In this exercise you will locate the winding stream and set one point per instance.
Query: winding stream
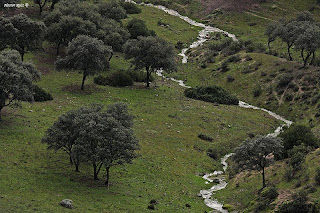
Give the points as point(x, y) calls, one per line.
point(216, 176)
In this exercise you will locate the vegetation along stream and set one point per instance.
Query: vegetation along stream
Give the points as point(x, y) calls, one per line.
point(216, 176)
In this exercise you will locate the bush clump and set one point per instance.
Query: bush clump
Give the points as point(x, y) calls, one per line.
point(284, 81)
point(213, 94)
point(130, 8)
point(205, 137)
point(212, 153)
point(269, 193)
point(120, 79)
point(40, 95)
point(299, 204)
point(297, 135)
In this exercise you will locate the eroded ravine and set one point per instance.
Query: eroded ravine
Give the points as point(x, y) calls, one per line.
point(216, 176)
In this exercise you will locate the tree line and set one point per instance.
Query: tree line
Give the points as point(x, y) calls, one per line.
point(301, 33)
point(90, 33)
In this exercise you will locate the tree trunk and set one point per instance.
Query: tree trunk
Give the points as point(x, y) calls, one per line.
point(148, 76)
point(70, 158)
point(313, 57)
point(58, 48)
point(269, 42)
point(83, 80)
point(40, 10)
point(108, 176)
point(263, 178)
point(289, 53)
point(77, 163)
point(95, 173)
point(306, 60)
point(110, 56)
point(2, 104)
point(52, 6)
point(302, 55)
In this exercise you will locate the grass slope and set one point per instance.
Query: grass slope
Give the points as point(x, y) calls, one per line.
point(33, 179)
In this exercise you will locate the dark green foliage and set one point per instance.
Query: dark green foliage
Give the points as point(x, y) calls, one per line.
point(298, 134)
point(72, 18)
point(284, 80)
point(151, 53)
point(269, 193)
point(212, 153)
point(25, 35)
point(120, 79)
point(296, 160)
point(179, 45)
point(234, 58)
point(137, 27)
point(40, 95)
point(299, 204)
point(253, 153)
point(230, 78)
point(224, 66)
point(226, 46)
point(16, 79)
point(205, 137)
point(7, 33)
point(101, 80)
point(317, 176)
point(94, 136)
point(257, 91)
point(212, 94)
point(139, 76)
point(86, 54)
point(130, 8)
point(112, 10)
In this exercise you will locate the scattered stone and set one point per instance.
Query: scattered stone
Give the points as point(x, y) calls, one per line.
point(199, 195)
point(30, 110)
point(188, 205)
point(2, 197)
point(67, 203)
point(178, 131)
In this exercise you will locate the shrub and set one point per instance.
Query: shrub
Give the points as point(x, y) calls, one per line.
point(179, 45)
point(230, 78)
point(317, 177)
point(130, 8)
point(212, 153)
point(120, 79)
point(205, 137)
point(100, 80)
point(234, 58)
point(298, 134)
point(296, 160)
point(284, 80)
point(115, 79)
point(212, 94)
point(224, 66)
point(257, 91)
point(269, 193)
point(139, 76)
point(299, 204)
point(40, 95)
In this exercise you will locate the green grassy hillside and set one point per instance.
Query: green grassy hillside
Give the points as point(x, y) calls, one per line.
point(167, 125)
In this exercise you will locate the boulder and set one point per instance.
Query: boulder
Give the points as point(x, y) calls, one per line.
point(67, 203)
